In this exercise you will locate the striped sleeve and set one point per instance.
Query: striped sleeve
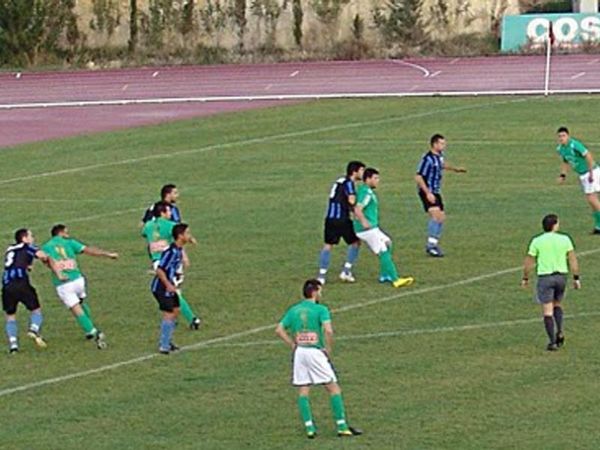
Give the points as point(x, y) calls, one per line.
point(349, 188)
point(424, 167)
point(165, 259)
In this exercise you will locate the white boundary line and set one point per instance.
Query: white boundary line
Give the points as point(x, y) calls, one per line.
point(291, 97)
point(258, 140)
point(218, 340)
point(413, 332)
point(426, 72)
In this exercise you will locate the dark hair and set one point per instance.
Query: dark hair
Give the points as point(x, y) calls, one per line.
point(159, 208)
point(310, 287)
point(562, 130)
point(354, 166)
point(179, 229)
point(57, 229)
point(435, 139)
point(549, 221)
point(166, 190)
point(369, 172)
point(20, 234)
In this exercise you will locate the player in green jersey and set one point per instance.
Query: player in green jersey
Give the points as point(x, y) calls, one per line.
point(366, 226)
point(573, 153)
point(552, 254)
point(70, 285)
point(306, 328)
point(159, 235)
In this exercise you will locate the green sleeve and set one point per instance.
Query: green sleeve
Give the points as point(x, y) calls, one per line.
point(580, 148)
point(145, 229)
point(570, 244)
point(533, 250)
point(325, 315)
point(286, 320)
point(76, 246)
point(364, 198)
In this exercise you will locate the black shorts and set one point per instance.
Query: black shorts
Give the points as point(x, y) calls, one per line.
point(426, 205)
point(166, 302)
point(336, 229)
point(551, 287)
point(19, 291)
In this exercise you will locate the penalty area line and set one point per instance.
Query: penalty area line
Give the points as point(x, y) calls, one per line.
point(229, 337)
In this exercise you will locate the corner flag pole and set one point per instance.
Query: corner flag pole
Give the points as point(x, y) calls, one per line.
point(549, 42)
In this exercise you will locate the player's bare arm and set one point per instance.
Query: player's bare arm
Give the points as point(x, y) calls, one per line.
point(162, 276)
point(95, 251)
point(574, 267)
point(360, 215)
point(564, 168)
point(589, 159)
point(423, 186)
point(528, 266)
point(280, 331)
point(455, 169)
point(328, 329)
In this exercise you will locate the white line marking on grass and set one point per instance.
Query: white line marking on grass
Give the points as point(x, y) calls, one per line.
point(578, 75)
point(426, 72)
point(258, 140)
point(413, 332)
point(218, 340)
point(293, 74)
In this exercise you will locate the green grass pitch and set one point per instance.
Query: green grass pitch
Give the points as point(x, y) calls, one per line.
point(254, 187)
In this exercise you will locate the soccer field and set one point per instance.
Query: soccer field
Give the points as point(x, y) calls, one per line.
point(455, 361)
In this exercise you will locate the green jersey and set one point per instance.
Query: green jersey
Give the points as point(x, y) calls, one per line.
point(574, 154)
point(159, 234)
point(367, 199)
point(550, 251)
point(304, 321)
point(64, 252)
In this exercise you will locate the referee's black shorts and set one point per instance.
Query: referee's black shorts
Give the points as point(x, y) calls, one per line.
point(19, 291)
point(339, 229)
point(166, 301)
point(439, 202)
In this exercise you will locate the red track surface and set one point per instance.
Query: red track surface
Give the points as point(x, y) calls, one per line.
point(503, 73)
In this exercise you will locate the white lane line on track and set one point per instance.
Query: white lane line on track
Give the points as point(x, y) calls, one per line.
point(424, 70)
point(293, 74)
point(454, 61)
point(435, 74)
point(202, 344)
point(578, 75)
point(593, 61)
point(414, 331)
point(251, 141)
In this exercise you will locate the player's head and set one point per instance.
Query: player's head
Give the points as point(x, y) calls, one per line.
point(437, 143)
point(181, 233)
point(169, 193)
point(59, 230)
point(355, 170)
point(162, 209)
point(24, 236)
point(563, 135)
point(371, 177)
point(550, 223)
point(312, 289)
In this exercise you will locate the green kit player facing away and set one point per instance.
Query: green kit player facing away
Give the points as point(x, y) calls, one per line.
point(552, 254)
point(158, 232)
point(306, 328)
point(70, 283)
point(366, 226)
point(573, 153)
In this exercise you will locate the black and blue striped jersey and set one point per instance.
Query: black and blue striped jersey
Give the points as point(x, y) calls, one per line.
point(170, 260)
point(431, 168)
point(17, 260)
point(339, 207)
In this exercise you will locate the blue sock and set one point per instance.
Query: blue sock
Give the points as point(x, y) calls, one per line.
point(11, 332)
point(432, 238)
point(324, 259)
point(438, 229)
point(35, 321)
point(166, 334)
point(351, 257)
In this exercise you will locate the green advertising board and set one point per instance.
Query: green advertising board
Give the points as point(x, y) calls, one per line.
point(570, 30)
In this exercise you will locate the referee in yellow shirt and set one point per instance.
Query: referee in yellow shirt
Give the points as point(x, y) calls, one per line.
point(552, 254)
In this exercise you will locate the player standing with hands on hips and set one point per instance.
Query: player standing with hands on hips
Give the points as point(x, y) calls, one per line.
point(552, 254)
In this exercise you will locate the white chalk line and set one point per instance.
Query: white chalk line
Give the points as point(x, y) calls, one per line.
point(424, 70)
point(578, 75)
point(258, 140)
point(412, 332)
point(218, 340)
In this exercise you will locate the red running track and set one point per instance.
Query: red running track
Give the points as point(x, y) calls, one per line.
point(501, 74)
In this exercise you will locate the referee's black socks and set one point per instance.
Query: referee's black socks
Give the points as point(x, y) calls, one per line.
point(558, 318)
point(549, 324)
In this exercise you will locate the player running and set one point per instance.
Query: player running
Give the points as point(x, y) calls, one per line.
point(69, 282)
point(306, 328)
point(576, 155)
point(366, 226)
point(429, 184)
point(552, 254)
point(338, 222)
point(159, 235)
point(16, 288)
point(164, 287)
